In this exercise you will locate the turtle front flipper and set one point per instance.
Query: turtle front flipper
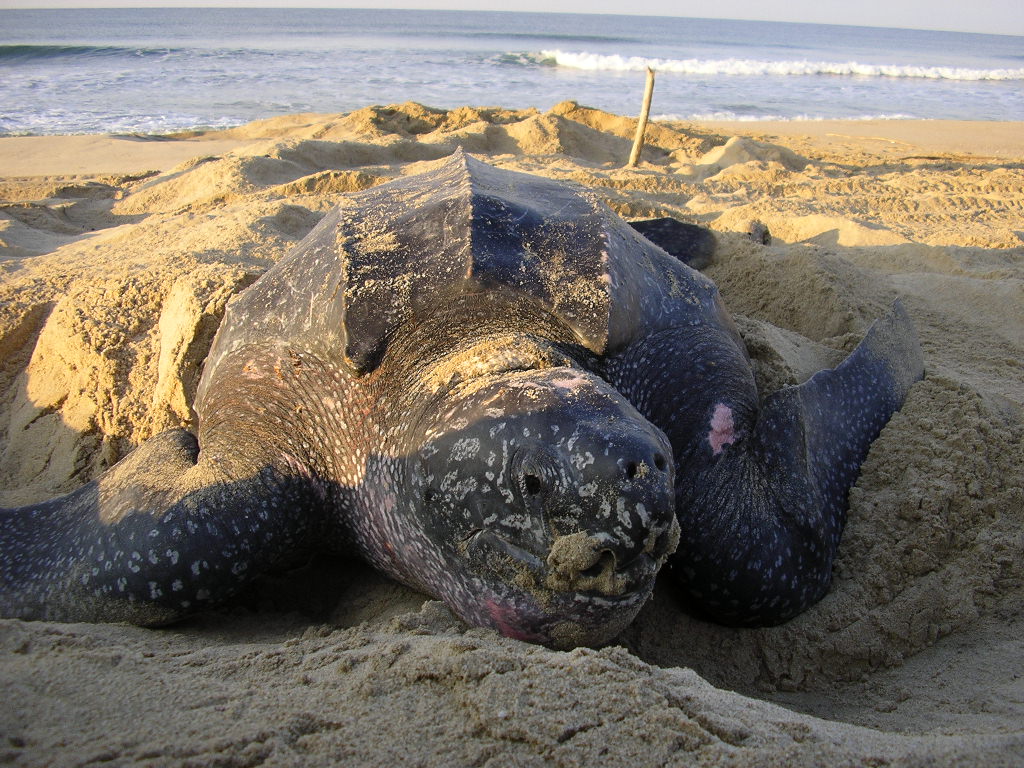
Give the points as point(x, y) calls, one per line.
point(156, 538)
point(762, 492)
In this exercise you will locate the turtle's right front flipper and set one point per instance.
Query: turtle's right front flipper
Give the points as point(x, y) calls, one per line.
point(158, 537)
point(763, 517)
point(761, 489)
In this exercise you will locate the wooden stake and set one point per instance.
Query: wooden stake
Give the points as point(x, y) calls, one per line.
point(645, 110)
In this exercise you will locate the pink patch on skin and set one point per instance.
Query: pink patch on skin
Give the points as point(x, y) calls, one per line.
point(722, 429)
point(504, 621)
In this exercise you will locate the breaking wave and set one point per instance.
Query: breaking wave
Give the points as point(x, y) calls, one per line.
point(753, 67)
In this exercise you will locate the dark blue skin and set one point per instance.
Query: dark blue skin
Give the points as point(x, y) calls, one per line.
point(493, 389)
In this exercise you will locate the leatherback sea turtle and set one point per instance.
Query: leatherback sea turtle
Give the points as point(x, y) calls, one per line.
point(493, 389)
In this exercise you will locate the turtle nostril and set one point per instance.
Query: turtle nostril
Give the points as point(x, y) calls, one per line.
point(659, 462)
point(605, 563)
point(532, 484)
point(631, 470)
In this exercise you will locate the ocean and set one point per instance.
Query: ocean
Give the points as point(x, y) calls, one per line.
point(165, 70)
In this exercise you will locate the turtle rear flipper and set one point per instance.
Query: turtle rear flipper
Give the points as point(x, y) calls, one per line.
point(158, 537)
point(762, 521)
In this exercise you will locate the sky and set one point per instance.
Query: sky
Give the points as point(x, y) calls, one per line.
point(992, 16)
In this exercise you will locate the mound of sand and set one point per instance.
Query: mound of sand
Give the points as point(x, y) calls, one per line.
point(115, 281)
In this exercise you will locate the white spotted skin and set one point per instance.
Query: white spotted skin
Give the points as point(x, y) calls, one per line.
point(761, 487)
point(261, 492)
point(485, 384)
point(468, 461)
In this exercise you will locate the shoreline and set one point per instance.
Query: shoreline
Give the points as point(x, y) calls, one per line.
point(111, 154)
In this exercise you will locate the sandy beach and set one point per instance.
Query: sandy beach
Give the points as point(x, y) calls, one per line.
point(119, 253)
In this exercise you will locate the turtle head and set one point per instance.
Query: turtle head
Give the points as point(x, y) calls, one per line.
point(546, 496)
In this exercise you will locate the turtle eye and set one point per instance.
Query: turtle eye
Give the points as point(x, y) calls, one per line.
point(532, 484)
point(537, 470)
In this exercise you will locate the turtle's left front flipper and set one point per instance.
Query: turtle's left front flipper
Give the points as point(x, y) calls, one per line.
point(840, 412)
point(762, 520)
point(160, 536)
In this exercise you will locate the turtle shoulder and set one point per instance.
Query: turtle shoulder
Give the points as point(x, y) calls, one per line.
point(402, 250)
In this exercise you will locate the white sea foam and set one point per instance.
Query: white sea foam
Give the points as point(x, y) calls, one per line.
point(613, 62)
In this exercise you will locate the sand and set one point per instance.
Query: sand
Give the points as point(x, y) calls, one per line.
point(118, 256)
